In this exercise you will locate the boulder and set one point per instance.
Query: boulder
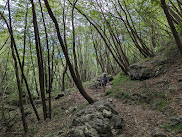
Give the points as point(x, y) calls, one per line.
point(59, 96)
point(157, 133)
point(140, 72)
point(94, 85)
point(148, 69)
point(177, 120)
point(98, 120)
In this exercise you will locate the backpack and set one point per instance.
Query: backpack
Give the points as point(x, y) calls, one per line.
point(105, 80)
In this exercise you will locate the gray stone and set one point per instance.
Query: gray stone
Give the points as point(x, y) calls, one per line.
point(90, 132)
point(72, 109)
point(38, 102)
point(161, 70)
point(116, 122)
point(96, 121)
point(59, 96)
point(180, 80)
point(107, 114)
point(157, 133)
point(28, 113)
point(140, 72)
point(160, 61)
point(76, 132)
point(176, 120)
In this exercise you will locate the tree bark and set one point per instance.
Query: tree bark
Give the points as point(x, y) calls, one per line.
point(25, 80)
point(76, 80)
point(40, 61)
point(17, 74)
point(173, 29)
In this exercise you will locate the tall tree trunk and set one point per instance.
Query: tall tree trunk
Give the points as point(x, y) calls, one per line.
point(36, 87)
point(17, 74)
point(73, 32)
point(175, 33)
point(40, 61)
point(25, 80)
point(104, 39)
point(63, 78)
point(76, 80)
point(24, 41)
point(48, 56)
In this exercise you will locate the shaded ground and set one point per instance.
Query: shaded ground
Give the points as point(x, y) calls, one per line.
point(139, 119)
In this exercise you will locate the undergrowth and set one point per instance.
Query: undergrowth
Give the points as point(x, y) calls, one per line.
point(136, 91)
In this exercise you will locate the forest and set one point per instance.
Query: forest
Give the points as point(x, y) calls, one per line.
point(59, 47)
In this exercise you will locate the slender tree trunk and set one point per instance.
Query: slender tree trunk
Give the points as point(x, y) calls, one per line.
point(175, 33)
point(73, 32)
point(17, 74)
point(25, 80)
point(36, 87)
point(40, 61)
point(76, 80)
point(48, 56)
point(104, 39)
point(24, 41)
point(63, 78)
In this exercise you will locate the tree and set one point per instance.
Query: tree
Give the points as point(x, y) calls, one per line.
point(175, 33)
point(75, 78)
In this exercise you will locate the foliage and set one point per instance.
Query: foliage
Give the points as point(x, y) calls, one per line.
point(142, 17)
point(81, 107)
point(176, 128)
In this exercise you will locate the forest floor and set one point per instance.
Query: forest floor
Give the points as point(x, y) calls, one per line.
point(140, 119)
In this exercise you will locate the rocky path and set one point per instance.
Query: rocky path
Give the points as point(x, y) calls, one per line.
point(138, 121)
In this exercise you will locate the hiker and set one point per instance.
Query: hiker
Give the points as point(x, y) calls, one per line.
point(104, 81)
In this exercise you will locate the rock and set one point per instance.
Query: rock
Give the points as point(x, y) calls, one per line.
point(160, 70)
point(107, 113)
point(59, 96)
point(108, 92)
point(28, 113)
point(72, 109)
point(38, 102)
point(116, 122)
point(140, 72)
point(175, 120)
point(94, 85)
point(180, 80)
point(102, 127)
point(77, 132)
point(98, 120)
point(157, 133)
point(160, 61)
point(10, 108)
point(110, 78)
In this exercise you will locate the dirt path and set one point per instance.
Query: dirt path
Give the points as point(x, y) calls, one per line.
point(138, 121)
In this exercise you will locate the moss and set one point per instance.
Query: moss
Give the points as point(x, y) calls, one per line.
point(176, 128)
point(81, 106)
point(145, 59)
point(87, 83)
point(13, 99)
point(162, 104)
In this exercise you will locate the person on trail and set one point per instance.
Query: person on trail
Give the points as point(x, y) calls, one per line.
point(104, 81)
